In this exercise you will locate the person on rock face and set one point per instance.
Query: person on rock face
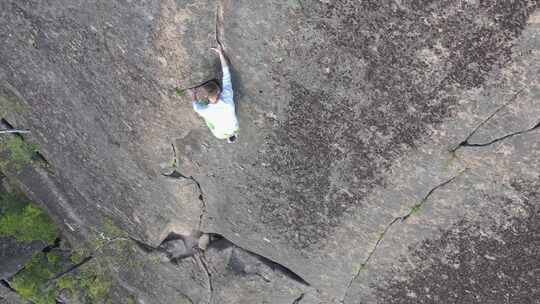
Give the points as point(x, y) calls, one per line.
point(215, 104)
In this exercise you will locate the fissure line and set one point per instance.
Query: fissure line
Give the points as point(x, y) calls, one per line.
point(402, 218)
point(465, 142)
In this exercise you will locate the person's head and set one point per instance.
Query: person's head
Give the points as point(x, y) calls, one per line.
point(209, 91)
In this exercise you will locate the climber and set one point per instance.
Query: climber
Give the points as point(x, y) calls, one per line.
point(215, 104)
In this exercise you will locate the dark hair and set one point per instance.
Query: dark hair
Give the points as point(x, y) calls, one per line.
point(208, 89)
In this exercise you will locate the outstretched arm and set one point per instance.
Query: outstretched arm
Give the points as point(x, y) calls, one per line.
point(226, 90)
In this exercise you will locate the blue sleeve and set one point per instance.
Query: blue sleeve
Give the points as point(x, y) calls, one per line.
point(199, 107)
point(226, 90)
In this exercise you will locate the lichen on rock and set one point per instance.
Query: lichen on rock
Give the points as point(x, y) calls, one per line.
point(24, 220)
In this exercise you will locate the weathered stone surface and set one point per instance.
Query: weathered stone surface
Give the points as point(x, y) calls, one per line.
point(349, 111)
point(9, 297)
point(241, 277)
point(475, 262)
point(472, 218)
point(100, 91)
point(365, 101)
point(15, 254)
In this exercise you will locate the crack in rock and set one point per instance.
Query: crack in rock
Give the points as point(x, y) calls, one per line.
point(175, 174)
point(70, 269)
point(219, 22)
point(402, 218)
point(6, 284)
point(465, 142)
point(201, 261)
point(37, 156)
point(299, 299)
point(418, 206)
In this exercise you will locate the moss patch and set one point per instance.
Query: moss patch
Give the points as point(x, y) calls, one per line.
point(91, 282)
point(15, 153)
point(180, 92)
point(31, 282)
point(131, 300)
point(88, 284)
point(24, 220)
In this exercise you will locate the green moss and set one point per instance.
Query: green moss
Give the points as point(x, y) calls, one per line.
point(111, 230)
point(90, 283)
point(131, 300)
point(68, 282)
point(179, 92)
point(415, 208)
point(79, 254)
point(53, 258)
point(184, 300)
point(25, 221)
point(16, 153)
point(93, 279)
point(31, 282)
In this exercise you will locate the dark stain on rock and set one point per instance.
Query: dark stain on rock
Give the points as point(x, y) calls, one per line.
point(469, 265)
point(393, 73)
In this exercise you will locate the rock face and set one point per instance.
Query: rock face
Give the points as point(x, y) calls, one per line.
point(14, 255)
point(15, 252)
point(377, 137)
point(9, 297)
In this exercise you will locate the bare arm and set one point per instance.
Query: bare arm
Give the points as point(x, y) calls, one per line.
point(226, 90)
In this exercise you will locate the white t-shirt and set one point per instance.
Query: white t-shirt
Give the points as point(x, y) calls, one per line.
point(220, 117)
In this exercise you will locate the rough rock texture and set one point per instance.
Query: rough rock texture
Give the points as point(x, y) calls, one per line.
point(369, 130)
point(14, 255)
point(9, 297)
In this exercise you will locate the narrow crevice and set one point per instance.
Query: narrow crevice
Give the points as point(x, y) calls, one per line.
point(41, 159)
point(191, 248)
point(219, 22)
point(284, 270)
point(6, 284)
point(268, 262)
point(54, 245)
point(147, 248)
point(36, 155)
point(71, 269)
point(178, 247)
point(203, 203)
point(465, 142)
point(402, 218)
point(178, 175)
point(419, 206)
point(8, 128)
point(175, 174)
point(371, 253)
point(5, 124)
point(201, 261)
point(299, 299)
